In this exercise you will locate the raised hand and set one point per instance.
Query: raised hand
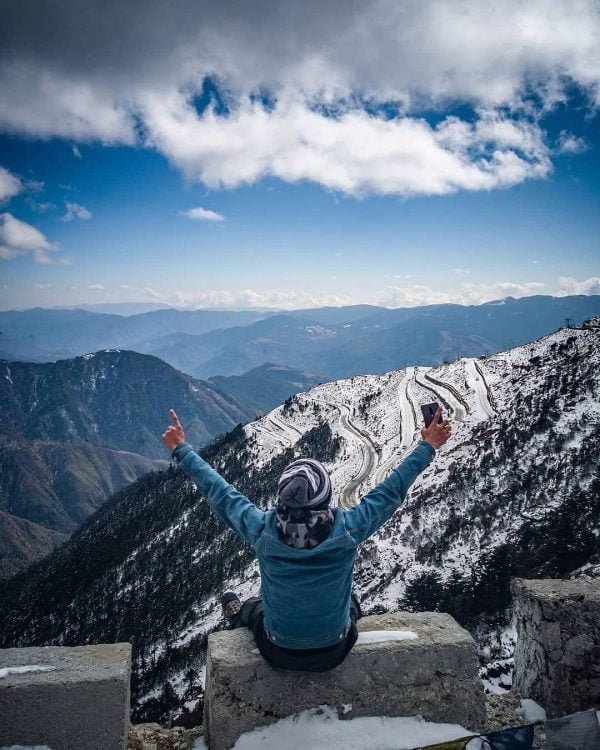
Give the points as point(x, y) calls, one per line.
point(438, 431)
point(174, 434)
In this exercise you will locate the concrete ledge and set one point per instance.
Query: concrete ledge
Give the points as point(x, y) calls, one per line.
point(557, 656)
point(79, 701)
point(434, 676)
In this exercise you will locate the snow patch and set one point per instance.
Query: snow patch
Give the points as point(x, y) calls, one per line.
point(324, 730)
point(382, 636)
point(531, 711)
point(5, 671)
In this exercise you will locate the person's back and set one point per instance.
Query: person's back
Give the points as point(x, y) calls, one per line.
point(306, 592)
point(306, 550)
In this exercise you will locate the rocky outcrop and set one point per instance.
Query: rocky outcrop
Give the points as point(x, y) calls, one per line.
point(557, 656)
point(154, 737)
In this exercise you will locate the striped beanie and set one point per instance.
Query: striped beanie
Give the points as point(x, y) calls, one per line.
point(305, 483)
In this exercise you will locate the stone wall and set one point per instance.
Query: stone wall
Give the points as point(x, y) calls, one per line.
point(557, 656)
point(434, 675)
point(65, 698)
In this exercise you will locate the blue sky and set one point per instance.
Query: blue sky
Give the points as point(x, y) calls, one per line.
point(377, 189)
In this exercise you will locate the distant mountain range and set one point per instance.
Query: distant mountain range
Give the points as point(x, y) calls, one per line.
point(330, 342)
point(515, 491)
point(372, 340)
point(44, 335)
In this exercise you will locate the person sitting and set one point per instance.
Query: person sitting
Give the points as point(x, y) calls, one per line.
point(305, 619)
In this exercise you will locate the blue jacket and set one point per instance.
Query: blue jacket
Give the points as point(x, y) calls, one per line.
point(306, 592)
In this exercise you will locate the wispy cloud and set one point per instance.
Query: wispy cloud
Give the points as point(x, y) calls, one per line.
point(42, 286)
point(76, 151)
point(39, 207)
point(466, 294)
point(10, 185)
point(568, 285)
point(204, 214)
point(19, 238)
point(571, 144)
point(76, 211)
point(96, 287)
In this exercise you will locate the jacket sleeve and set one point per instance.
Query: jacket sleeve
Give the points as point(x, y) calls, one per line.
point(379, 504)
point(233, 508)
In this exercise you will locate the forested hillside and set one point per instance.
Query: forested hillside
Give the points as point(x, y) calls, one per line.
point(516, 491)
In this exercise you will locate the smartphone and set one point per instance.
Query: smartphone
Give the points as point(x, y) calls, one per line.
point(429, 411)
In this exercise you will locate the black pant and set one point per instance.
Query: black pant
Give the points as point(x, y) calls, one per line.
point(306, 659)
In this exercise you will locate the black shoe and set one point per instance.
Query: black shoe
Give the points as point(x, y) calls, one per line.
point(231, 604)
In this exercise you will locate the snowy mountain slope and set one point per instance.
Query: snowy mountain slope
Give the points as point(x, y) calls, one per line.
point(515, 491)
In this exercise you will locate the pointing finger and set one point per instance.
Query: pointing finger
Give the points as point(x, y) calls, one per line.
point(174, 417)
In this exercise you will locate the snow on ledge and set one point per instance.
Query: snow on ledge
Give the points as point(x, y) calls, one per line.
point(5, 671)
point(382, 636)
point(322, 729)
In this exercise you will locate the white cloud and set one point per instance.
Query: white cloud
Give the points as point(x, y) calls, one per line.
point(466, 294)
point(391, 296)
point(76, 151)
point(354, 153)
point(204, 214)
point(152, 293)
point(19, 238)
point(10, 185)
point(96, 287)
point(246, 298)
point(462, 271)
point(43, 286)
point(76, 211)
point(571, 144)
point(134, 83)
point(569, 285)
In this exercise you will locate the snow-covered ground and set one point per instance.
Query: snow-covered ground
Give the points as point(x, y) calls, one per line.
point(378, 419)
point(322, 729)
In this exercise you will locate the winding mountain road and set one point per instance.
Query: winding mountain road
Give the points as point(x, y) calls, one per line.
point(457, 403)
point(477, 382)
point(262, 428)
point(408, 426)
point(371, 463)
point(285, 429)
point(408, 415)
point(369, 452)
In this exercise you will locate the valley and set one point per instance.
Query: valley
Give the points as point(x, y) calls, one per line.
point(515, 492)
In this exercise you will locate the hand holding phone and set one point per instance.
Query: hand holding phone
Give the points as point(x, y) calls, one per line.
point(429, 411)
point(436, 431)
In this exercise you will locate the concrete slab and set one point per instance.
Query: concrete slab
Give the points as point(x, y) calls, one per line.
point(434, 676)
point(65, 698)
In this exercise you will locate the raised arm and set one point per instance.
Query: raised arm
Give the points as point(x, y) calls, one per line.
point(379, 504)
point(233, 508)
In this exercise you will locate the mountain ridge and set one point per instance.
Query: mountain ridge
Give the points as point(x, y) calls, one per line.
point(519, 473)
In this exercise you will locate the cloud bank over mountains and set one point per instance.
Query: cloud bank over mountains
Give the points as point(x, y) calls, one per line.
point(333, 93)
point(391, 296)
